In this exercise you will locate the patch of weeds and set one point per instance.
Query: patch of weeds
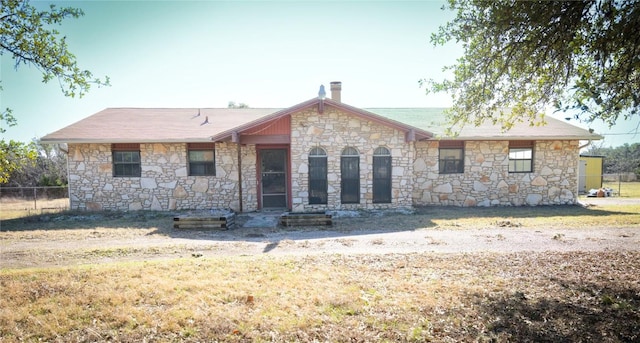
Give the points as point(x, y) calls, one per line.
point(346, 242)
point(433, 241)
point(304, 244)
point(507, 223)
point(378, 241)
point(615, 303)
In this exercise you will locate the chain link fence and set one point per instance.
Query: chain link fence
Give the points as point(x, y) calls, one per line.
point(617, 185)
point(33, 200)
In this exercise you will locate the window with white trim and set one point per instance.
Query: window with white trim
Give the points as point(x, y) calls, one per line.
point(520, 156)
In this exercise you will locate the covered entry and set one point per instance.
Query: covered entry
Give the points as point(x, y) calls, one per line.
point(273, 177)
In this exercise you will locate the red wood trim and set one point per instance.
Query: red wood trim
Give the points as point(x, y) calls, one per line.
point(265, 139)
point(125, 146)
point(259, 171)
point(520, 144)
point(451, 144)
point(201, 146)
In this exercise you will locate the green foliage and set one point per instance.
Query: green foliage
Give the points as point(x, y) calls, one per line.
point(44, 166)
point(581, 56)
point(14, 156)
point(27, 34)
point(6, 119)
point(232, 104)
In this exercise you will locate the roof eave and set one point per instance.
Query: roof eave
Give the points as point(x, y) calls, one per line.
point(523, 138)
point(112, 141)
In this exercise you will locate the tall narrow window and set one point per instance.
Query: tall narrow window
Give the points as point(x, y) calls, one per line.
point(350, 172)
point(202, 159)
point(451, 158)
point(381, 175)
point(317, 176)
point(520, 156)
point(126, 160)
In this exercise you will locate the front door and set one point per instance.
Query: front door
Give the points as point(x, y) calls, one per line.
point(273, 178)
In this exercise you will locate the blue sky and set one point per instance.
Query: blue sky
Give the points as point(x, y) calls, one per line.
point(265, 54)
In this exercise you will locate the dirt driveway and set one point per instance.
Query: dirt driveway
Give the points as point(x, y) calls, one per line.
point(73, 239)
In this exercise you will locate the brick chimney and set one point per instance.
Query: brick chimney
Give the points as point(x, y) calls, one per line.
point(336, 89)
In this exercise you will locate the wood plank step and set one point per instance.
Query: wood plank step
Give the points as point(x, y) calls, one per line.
point(306, 219)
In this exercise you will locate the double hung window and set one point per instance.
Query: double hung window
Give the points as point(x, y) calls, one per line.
point(520, 156)
point(451, 159)
point(201, 159)
point(126, 159)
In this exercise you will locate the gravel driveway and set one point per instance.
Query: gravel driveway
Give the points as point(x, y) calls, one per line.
point(83, 246)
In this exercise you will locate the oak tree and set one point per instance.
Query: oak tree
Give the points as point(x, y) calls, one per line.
point(29, 36)
point(520, 57)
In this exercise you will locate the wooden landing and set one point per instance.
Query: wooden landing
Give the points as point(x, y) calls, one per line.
point(223, 222)
point(306, 219)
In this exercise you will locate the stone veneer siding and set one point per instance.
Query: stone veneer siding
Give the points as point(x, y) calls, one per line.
point(333, 131)
point(164, 183)
point(486, 180)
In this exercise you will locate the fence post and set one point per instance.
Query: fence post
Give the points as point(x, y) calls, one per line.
point(35, 197)
point(619, 184)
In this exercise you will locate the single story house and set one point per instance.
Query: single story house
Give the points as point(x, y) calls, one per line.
point(320, 154)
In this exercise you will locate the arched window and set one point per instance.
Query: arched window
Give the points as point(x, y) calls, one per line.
point(381, 175)
point(317, 176)
point(350, 176)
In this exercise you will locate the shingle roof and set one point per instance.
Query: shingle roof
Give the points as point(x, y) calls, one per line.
point(434, 119)
point(115, 125)
point(121, 125)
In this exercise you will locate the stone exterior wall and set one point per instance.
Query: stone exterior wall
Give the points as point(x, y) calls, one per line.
point(486, 180)
point(164, 183)
point(333, 131)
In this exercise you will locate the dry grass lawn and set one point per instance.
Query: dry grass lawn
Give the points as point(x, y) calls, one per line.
point(626, 189)
point(414, 297)
point(16, 208)
point(550, 297)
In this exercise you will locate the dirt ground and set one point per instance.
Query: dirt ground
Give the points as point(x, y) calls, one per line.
point(75, 239)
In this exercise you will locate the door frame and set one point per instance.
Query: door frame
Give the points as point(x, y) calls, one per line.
point(287, 148)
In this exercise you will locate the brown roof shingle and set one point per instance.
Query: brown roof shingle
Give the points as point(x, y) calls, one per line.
point(114, 125)
point(123, 125)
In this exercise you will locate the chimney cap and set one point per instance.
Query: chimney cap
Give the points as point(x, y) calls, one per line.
point(336, 89)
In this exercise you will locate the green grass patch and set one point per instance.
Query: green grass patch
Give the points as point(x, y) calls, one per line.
point(625, 189)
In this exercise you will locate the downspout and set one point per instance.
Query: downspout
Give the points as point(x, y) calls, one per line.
point(235, 137)
point(68, 173)
point(578, 173)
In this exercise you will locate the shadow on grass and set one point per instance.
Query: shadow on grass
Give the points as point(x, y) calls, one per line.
point(586, 312)
point(86, 220)
point(367, 222)
point(450, 212)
